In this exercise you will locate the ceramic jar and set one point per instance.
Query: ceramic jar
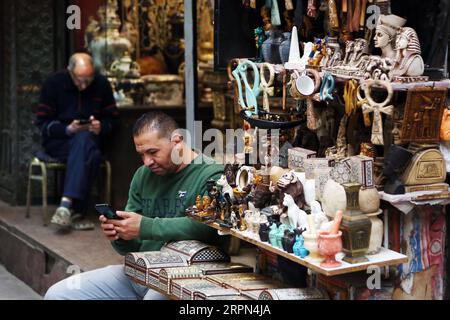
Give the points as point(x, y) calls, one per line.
point(284, 47)
point(270, 47)
point(369, 200)
point(311, 245)
point(376, 233)
point(309, 190)
point(329, 245)
point(244, 177)
point(334, 198)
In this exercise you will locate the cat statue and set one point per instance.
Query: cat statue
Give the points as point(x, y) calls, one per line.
point(320, 218)
point(296, 216)
point(226, 188)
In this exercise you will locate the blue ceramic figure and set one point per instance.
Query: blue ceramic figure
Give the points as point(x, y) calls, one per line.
point(273, 234)
point(299, 249)
point(280, 235)
point(260, 37)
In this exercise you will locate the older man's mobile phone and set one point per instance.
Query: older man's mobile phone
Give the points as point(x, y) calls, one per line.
point(84, 121)
point(106, 210)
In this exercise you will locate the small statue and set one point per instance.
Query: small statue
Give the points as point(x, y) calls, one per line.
point(297, 217)
point(409, 63)
point(243, 226)
point(334, 54)
point(260, 37)
point(233, 220)
point(206, 202)
point(198, 203)
point(248, 141)
point(320, 218)
point(349, 47)
point(385, 33)
point(359, 59)
point(290, 184)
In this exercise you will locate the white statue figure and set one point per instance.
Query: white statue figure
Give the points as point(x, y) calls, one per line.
point(349, 47)
point(297, 217)
point(226, 188)
point(320, 218)
point(409, 63)
point(385, 33)
point(334, 55)
point(306, 52)
point(233, 219)
point(360, 57)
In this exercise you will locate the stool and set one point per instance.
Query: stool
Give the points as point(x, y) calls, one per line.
point(44, 163)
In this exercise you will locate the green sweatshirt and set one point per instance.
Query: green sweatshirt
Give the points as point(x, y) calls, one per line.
point(162, 201)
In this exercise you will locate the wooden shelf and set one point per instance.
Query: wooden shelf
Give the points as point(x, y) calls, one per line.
point(385, 257)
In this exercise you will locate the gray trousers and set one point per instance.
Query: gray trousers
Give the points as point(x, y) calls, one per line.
point(109, 283)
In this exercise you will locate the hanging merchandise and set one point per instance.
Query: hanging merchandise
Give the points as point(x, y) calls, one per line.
point(326, 90)
point(267, 86)
point(274, 12)
point(298, 15)
point(350, 96)
point(311, 10)
point(288, 4)
point(240, 74)
point(333, 15)
point(361, 101)
point(377, 109)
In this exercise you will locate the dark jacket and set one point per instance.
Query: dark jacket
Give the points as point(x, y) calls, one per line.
point(61, 102)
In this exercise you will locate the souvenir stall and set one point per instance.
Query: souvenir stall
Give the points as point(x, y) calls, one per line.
point(342, 169)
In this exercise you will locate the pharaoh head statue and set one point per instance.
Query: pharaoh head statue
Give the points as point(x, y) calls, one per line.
point(385, 33)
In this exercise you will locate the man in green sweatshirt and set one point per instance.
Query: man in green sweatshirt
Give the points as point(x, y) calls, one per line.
point(169, 181)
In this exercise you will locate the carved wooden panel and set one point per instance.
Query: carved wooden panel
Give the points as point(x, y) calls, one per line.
point(423, 114)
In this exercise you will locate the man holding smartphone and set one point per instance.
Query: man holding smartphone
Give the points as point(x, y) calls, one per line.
point(169, 181)
point(76, 112)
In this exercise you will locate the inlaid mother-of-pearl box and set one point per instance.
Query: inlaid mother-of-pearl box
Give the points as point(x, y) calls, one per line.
point(297, 156)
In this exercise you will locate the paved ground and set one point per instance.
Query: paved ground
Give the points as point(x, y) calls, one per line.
point(12, 288)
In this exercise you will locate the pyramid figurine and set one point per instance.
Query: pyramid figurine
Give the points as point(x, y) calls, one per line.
point(294, 62)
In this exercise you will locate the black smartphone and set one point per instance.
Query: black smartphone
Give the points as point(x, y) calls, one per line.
point(106, 210)
point(84, 121)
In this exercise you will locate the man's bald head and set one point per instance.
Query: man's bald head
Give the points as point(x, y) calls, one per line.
point(82, 60)
point(81, 69)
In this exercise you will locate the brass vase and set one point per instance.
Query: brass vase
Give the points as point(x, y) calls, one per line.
point(355, 227)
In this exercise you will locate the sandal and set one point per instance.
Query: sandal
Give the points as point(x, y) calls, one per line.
point(61, 218)
point(79, 222)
